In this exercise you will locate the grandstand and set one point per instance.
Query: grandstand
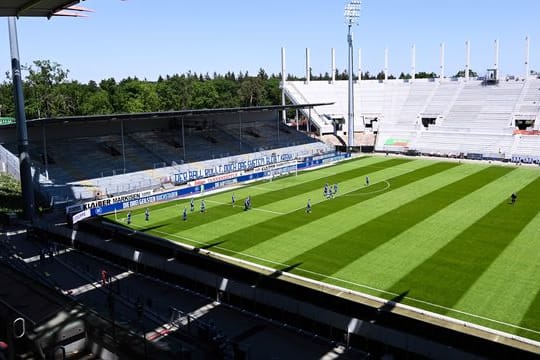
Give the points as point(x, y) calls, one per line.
point(106, 164)
point(89, 157)
point(444, 117)
point(94, 160)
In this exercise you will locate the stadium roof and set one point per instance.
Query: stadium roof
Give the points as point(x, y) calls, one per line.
point(41, 8)
point(173, 114)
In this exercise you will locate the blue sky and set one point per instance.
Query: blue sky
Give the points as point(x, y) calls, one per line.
point(146, 38)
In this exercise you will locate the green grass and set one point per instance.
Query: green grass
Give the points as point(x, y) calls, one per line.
point(10, 194)
point(441, 235)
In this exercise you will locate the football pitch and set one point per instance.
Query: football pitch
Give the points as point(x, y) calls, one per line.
point(441, 236)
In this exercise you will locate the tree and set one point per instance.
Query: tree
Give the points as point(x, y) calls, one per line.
point(184, 85)
point(272, 91)
point(70, 96)
point(368, 76)
point(405, 76)
point(262, 74)
point(425, 75)
point(97, 103)
point(137, 96)
point(49, 93)
point(44, 99)
point(110, 87)
point(7, 103)
point(461, 73)
point(205, 95)
point(227, 93)
point(251, 91)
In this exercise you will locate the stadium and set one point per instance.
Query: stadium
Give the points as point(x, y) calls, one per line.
point(401, 222)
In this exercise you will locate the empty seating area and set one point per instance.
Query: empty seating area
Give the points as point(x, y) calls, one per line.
point(529, 103)
point(214, 143)
point(484, 108)
point(81, 150)
point(415, 103)
point(527, 145)
point(445, 143)
point(89, 157)
point(443, 97)
point(452, 115)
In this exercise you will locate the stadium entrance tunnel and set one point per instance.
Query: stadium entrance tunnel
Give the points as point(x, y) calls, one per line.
point(323, 311)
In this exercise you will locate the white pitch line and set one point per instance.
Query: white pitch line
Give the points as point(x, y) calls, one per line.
point(374, 191)
point(253, 208)
point(351, 282)
point(177, 201)
point(358, 284)
point(346, 193)
point(263, 188)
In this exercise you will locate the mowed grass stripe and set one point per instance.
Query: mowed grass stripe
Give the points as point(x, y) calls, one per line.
point(531, 318)
point(342, 250)
point(299, 193)
point(259, 187)
point(249, 221)
point(261, 197)
point(511, 282)
point(450, 273)
point(299, 229)
point(301, 239)
point(383, 266)
point(170, 212)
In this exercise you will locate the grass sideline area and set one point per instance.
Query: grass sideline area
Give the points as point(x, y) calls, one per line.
point(441, 236)
point(10, 195)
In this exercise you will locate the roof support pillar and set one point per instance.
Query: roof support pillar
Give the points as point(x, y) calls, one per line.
point(22, 132)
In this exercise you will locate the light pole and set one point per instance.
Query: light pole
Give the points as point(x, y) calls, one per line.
point(352, 13)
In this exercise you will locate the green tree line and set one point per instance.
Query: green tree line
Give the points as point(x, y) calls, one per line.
point(48, 91)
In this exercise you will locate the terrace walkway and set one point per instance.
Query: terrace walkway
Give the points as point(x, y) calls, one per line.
point(165, 307)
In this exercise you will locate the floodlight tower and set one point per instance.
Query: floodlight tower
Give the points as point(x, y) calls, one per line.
point(352, 13)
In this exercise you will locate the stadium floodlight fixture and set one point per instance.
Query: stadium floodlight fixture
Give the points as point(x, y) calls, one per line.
point(352, 13)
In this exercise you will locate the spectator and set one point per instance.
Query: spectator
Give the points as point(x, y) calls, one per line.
point(103, 277)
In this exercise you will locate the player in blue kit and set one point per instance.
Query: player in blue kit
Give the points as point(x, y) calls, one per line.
point(308, 206)
point(203, 206)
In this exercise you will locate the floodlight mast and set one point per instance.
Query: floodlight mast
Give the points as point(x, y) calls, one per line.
point(352, 13)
